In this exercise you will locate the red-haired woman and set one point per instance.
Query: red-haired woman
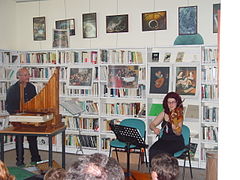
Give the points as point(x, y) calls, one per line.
point(171, 140)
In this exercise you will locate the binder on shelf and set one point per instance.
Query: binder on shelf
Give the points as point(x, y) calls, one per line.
point(155, 109)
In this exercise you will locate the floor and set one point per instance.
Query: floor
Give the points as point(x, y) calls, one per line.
point(9, 157)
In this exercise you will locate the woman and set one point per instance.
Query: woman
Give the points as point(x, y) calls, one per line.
point(171, 140)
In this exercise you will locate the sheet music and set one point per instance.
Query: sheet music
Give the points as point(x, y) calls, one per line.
point(72, 107)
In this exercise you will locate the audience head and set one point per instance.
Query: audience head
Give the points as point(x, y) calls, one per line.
point(4, 174)
point(164, 167)
point(55, 174)
point(95, 167)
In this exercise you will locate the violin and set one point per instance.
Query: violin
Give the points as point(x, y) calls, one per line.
point(176, 116)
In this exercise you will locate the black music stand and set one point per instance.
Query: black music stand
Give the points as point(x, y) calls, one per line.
point(131, 136)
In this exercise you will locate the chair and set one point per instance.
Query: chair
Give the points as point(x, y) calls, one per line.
point(135, 123)
point(186, 151)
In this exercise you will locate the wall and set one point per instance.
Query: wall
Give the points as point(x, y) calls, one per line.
point(63, 9)
point(8, 24)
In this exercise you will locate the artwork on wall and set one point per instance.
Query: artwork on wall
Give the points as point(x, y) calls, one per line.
point(154, 21)
point(159, 79)
point(60, 38)
point(89, 22)
point(39, 29)
point(187, 17)
point(123, 76)
point(68, 24)
point(80, 78)
point(216, 9)
point(116, 24)
point(186, 80)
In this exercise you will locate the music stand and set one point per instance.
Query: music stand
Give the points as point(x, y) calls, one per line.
point(130, 136)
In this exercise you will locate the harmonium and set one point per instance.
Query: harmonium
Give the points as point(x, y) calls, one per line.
point(41, 113)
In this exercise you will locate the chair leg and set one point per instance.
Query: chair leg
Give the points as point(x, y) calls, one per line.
point(189, 159)
point(110, 151)
point(116, 154)
point(184, 166)
point(145, 153)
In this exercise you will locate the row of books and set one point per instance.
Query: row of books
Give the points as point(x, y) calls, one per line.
point(38, 58)
point(2, 106)
point(46, 72)
point(75, 57)
point(204, 151)
point(210, 114)
point(129, 109)
point(140, 92)
point(209, 91)
point(4, 87)
point(210, 55)
point(210, 74)
point(44, 140)
point(210, 133)
point(9, 139)
point(7, 73)
point(113, 56)
point(72, 122)
point(8, 58)
point(89, 141)
point(105, 143)
point(93, 91)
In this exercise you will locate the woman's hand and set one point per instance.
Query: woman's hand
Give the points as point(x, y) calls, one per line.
point(156, 131)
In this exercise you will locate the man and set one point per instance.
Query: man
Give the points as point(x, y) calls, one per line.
point(13, 106)
point(95, 167)
point(164, 167)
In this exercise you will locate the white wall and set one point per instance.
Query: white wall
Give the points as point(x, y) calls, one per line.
point(7, 24)
point(63, 9)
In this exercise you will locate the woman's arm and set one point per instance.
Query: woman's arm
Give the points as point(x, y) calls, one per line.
point(153, 125)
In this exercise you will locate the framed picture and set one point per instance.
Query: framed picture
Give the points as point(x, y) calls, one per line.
point(154, 21)
point(80, 78)
point(66, 24)
point(60, 38)
point(186, 80)
point(39, 29)
point(116, 24)
point(187, 17)
point(160, 78)
point(89, 22)
point(123, 76)
point(216, 9)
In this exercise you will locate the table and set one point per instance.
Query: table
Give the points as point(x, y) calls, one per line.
point(48, 133)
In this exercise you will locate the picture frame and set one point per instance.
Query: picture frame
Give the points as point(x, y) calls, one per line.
point(39, 28)
point(187, 20)
point(80, 77)
point(123, 76)
point(160, 78)
point(89, 24)
point(153, 21)
point(186, 80)
point(117, 23)
point(68, 24)
point(60, 38)
point(216, 9)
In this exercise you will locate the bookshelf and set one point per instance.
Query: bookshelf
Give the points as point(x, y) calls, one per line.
point(210, 102)
point(123, 83)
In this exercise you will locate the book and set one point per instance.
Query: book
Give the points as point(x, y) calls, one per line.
point(180, 57)
point(72, 107)
point(155, 109)
point(192, 112)
point(155, 57)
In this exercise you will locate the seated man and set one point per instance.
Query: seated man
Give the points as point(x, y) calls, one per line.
point(164, 167)
point(95, 166)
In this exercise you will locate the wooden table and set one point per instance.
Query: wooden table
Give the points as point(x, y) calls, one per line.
point(48, 133)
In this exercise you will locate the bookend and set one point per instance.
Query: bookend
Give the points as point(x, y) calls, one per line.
point(130, 136)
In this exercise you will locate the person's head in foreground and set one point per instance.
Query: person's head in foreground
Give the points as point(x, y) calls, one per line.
point(95, 167)
point(164, 167)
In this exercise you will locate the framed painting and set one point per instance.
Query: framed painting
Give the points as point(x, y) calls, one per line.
point(116, 24)
point(123, 76)
point(160, 78)
point(186, 80)
point(187, 17)
point(66, 24)
point(216, 9)
point(39, 29)
point(154, 21)
point(80, 78)
point(60, 38)
point(89, 22)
